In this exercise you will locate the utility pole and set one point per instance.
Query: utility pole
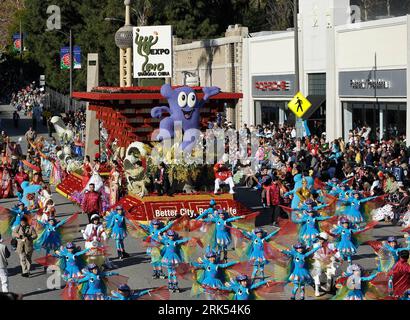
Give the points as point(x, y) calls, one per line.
point(71, 68)
point(21, 52)
point(299, 122)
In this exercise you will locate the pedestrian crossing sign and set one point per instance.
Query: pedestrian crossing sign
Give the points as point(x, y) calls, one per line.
point(299, 105)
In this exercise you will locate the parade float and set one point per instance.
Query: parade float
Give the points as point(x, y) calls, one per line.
point(129, 119)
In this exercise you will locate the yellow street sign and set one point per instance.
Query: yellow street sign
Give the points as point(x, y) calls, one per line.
point(299, 105)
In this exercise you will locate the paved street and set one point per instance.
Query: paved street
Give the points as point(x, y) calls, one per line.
point(137, 267)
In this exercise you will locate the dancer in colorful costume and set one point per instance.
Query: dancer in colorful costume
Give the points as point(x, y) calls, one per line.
point(93, 285)
point(242, 289)
point(255, 250)
point(210, 274)
point(125, 293)
point(172, 256)
point(155, 231)
point(299, 274)
point(117, 229)
point(352, 286)
point(11, 218)
point(222, 238)
point(388, 253)
point(211, 211)
point(71, 261)
point(309, 224)
point(347, 244)
point(353, 209)
point(51, 237)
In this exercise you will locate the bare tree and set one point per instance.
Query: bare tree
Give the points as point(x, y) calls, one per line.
point(144, 10)
point(279, 14)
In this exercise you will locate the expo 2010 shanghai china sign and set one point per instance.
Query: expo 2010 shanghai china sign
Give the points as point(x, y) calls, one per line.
point(152, 52)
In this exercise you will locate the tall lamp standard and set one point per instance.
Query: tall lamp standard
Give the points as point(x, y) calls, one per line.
point(70, 36)
point(124, 41)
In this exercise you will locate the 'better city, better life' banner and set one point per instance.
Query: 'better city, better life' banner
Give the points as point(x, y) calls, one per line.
point(152, 52)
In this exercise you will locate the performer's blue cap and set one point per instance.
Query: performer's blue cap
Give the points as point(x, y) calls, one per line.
point(258, 230)
point(20, 204)
point(242, 277)
point(70, 245)
point(309, 202)
point(124, 288)
point(92, 266)
point(171, 233)
point(391, 239)
point(155, 222)
point(299, 246)
point(210, 254)
point(212, 202)
point(344, 220)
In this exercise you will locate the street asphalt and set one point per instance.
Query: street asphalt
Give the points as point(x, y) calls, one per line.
point(137, 266)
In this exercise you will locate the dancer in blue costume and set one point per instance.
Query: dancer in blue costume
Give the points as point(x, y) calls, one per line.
point(388, 253)
point(124, 293)
point(211, 211)
point(117, 229)
point(346, 243)
point(155, 230)
point(255, 252)
point(222, 234)
point(19, 211)
point(242, 289)
point(92, 283)
point(300, 275)
point(212, 275)
point(50, 238)
point(406, 295)
point(309, 229)
point(71, 261)
point(354, 289)
point(353, 210)
point(172, 257)
point(28, 189)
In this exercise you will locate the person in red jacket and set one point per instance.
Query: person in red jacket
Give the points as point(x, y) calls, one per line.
point(92, 202)
point(223, 175)
point(401, 275)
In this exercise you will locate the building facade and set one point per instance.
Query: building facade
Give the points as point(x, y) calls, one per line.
point(215, 62)
point(353, 72)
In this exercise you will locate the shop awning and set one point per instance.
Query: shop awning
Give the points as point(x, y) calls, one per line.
point(317, 101)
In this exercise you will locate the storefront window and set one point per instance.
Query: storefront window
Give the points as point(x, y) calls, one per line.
point(273, 111)
point(317, 84)
point(387, 118)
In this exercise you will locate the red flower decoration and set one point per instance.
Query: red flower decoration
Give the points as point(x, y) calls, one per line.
point(97, 156)
point(97, 142)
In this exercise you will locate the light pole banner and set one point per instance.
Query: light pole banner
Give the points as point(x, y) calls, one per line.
point(152, 52)
point(65, 58)
point(16, 42)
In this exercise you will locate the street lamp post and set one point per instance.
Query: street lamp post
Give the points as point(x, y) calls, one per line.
point(70, 36)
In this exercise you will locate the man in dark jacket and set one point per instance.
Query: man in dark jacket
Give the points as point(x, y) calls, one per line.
point(161, 180)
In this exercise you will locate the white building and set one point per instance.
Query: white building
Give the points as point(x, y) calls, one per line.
point(340, 62)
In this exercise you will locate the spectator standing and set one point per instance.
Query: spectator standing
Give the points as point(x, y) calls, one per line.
point(25, 235)
point(4, 255)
